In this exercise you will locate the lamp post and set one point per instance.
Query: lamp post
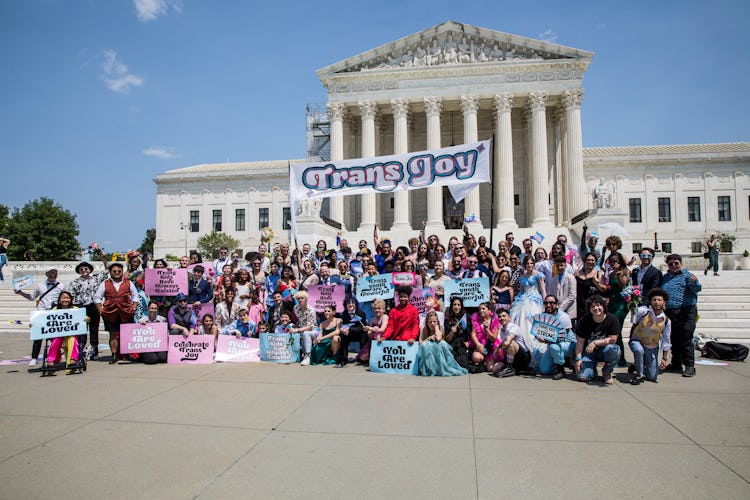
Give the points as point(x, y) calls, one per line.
point(184, 227)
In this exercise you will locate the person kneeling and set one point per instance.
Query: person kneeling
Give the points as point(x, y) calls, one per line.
point(651, 327)
point(513, 345)
point(596, 338)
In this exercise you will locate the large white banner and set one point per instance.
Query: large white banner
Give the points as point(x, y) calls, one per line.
point(461, 168)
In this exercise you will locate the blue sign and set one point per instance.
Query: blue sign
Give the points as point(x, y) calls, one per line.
point(394, 356)
point(279, 347)
point(474, 291)
point(57, 323)
point(370, 288)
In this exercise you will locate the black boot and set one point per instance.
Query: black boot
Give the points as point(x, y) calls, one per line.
point(559, 372)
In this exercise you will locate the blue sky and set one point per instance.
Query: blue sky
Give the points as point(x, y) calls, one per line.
point(100, 96)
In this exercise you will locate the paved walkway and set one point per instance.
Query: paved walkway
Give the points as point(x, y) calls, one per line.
point(268, 431)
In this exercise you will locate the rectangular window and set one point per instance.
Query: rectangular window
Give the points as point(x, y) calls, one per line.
point(286, 218)
point(665, 210)
point(694, 209)
point(239, 219)
point(637, 247)
point(666, 248)
point(262, 218)
point(725, 210)
point(194, 221)
point(516, 200)
point(217, 220)
point(635, 209)
point(696, 247)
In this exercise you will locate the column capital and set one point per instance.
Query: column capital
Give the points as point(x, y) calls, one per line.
point(433, 105)
point(400, 107)
point(538, 101)
point(572, 98)
point(369, 109)
point(336, 110)
point(469, 103)
point(503, 102)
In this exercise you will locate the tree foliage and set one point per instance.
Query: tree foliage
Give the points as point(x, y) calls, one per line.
point(209, 244)
point(4, 211)
point(147, 245)
point(42, 230)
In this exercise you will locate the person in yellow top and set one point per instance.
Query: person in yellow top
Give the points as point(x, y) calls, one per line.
point(651, 329)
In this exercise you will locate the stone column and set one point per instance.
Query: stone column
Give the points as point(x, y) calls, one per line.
point(401, 207)
point(433, 107)
point(469, 107)
point(369, 202)
point(336, 112)
point(503, 189)
point(578, 200)
point(539, 174)
point(562, 200)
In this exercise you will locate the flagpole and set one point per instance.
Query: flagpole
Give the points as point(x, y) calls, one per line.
point(492, 190)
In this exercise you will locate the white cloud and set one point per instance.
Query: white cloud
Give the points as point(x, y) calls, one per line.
point(162, 152)
point(548, 36)
point(116, 75)
point(151, 10)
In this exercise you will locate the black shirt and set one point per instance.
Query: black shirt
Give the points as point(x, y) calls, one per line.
point(590, 330)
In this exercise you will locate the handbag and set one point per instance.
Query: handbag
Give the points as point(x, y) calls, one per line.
point(705, 255)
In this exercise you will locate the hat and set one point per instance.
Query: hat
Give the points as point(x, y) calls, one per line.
point(50, 269)
point(84, 264)
point(116, 264)
point(180, 296)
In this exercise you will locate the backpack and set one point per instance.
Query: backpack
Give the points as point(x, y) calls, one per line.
point(727, 352)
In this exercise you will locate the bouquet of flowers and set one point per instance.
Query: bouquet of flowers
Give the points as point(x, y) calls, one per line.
point(94, 250)
point(632, 296)
point(266, 234)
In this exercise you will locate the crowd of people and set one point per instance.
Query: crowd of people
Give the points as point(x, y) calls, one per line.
point(586, 291)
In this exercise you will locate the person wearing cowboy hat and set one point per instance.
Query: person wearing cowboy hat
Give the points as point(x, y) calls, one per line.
point(83, 289)
point(116, 299)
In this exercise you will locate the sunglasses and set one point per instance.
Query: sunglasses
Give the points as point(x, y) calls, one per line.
point(550, 303)
point(645, 256)
point(673, 263)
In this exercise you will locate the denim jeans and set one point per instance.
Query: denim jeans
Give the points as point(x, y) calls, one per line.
point(3, 261)
point(609, 354)
point(646, 360)
point(555, 355)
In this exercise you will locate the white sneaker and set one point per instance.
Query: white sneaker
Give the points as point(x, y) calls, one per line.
point(32, 362)
point(305, 360)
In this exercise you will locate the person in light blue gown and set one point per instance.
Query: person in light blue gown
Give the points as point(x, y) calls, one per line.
point(529, 302)
point(435, 356)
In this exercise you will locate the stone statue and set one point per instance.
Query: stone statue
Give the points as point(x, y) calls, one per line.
point(604, 195)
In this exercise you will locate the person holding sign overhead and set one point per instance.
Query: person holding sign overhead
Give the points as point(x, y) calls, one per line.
point(403, 320)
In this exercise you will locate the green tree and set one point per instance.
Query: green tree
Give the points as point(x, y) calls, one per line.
point(209, 244)
point(43, 230)
point(147, 246)
point(4, 211)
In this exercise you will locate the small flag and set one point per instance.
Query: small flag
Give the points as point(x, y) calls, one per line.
point(538, 237)
point(470, 218)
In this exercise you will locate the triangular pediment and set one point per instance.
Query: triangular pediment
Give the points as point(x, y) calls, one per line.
point(450, 44)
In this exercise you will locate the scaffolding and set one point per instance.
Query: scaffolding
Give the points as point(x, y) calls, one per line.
point(318, 133)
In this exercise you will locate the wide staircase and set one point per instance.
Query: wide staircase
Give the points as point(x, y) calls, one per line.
point(724, 306)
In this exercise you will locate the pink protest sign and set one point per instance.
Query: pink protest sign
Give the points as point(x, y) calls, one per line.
point(418, 298)
point(208, 270)
point(404, 279)
point(233, 350)
point(207, 308)
point(151, 337)
point(325, 295)
point(166, 282)
point(192, 350)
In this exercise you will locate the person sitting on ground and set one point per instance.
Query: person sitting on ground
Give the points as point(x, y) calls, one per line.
point(484, 339)
point(307, 325)
point(651, 329)
point(512, 344)
point(376, 328)
point(458, 331)
point(181, 319)
point(241, 327)
point(353, 322)
point(152, 358)
point(403, 320)
point(435, 357)
point(326, 346)
point(596, 341)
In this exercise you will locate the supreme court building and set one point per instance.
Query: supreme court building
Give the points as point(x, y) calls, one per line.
point(453, 84)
